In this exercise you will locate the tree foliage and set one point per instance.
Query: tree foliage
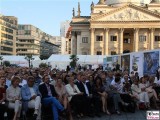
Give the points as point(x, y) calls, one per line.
point(6, 63)
point(74, 60)
point(29, 58)
point(43, 65)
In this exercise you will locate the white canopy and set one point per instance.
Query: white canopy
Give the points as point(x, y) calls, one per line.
point(61, 61)
point(19, 60)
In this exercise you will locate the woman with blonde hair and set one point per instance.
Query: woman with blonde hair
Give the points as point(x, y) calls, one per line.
point(62, 96)
point(13, 96)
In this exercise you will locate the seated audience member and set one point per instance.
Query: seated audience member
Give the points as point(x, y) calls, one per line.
point(85, 87)
point(62, 95)
point(157, 83)
point(112, 95)
point(140, 94)
point(99, 96)
point(75, 97)
point(13, 95)
point(117, 88)
point(49, 96)
point(37, 79)
point(3, 105)
point(147, 86)
point(23, 80)
point(31, 97)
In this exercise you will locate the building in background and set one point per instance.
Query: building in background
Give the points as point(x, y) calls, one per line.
point(58, 41)
point(68, 41)
point(47, 49)
point(116, 27)
point(29, 40)
point(8, 34)
point(64, 28)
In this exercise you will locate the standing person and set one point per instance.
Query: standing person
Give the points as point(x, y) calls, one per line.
point(3, 105)
point(31, 97)
point(49, 97)
point(13, 95)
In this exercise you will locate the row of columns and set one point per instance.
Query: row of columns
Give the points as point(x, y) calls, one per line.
point(120, 42)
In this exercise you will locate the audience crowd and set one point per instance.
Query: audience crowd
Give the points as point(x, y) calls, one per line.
point(79, 93)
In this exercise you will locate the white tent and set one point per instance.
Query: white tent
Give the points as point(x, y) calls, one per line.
point(61, 61)
point(19, 60)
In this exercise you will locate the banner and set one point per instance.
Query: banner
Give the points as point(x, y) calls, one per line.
point(125, 63)
point(111, 62)
point(136, 60)
point(151, 62)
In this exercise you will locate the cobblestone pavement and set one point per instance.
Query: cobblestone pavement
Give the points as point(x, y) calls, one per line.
point(138, 115)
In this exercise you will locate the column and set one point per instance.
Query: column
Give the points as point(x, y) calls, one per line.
point(121, 40)
point(106, 41)
point(136, 39)
point(73, 38)
point(92, 40)
point(152, 38)
point(78, 42)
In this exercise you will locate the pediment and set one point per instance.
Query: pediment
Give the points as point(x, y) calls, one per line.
point(128, 13)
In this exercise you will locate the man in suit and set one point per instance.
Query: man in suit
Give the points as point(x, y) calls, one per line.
point(85, 87)
point(31, 97)
point(49, 97)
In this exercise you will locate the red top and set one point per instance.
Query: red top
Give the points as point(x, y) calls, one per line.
point(2, 91)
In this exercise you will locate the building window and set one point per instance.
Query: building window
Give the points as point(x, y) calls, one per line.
point(127, 40)
point(84, 53)
point(84, 39)
point(27, 32)
point(113, 53)
point(99, 38)
point(142, 38)
point(99, 52)
point(113, 38)
point(157, 38)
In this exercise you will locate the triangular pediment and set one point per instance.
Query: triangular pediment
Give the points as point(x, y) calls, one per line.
point(128, 12)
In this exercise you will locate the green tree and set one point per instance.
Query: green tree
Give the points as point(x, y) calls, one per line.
point(43, 65)
point(29, 58)
point(74, 60)
point(1, 58)
point(6, 63)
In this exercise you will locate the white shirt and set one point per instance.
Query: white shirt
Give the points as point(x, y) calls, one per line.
point(32, 91)
point(24, 82)
point(86, 89)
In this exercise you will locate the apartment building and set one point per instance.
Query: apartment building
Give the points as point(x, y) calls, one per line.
point(29, 40)
point(8, 34)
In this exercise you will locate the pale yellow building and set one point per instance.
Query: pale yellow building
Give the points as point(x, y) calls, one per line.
point(29, 38)
point(116, 26)
point(8, 35)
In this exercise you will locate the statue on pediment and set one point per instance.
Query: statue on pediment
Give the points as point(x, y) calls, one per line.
point(101, 2)
point(92, 7)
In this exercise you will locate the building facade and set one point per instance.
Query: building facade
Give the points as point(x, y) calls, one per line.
point(58, 41)
point(68, 41)
point(8, 35)
point(47, 49)
point(29, 38)
point(116, 26)
point(64, 27)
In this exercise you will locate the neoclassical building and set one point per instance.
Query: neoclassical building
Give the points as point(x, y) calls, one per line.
point(116, 26)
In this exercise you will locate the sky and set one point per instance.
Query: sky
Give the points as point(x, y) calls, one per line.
point(44, 14)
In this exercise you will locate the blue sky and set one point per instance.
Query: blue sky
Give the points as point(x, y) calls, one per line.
point(44, 14)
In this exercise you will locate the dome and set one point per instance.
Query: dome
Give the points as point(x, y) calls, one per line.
point(121, 2)
point(155, 1)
